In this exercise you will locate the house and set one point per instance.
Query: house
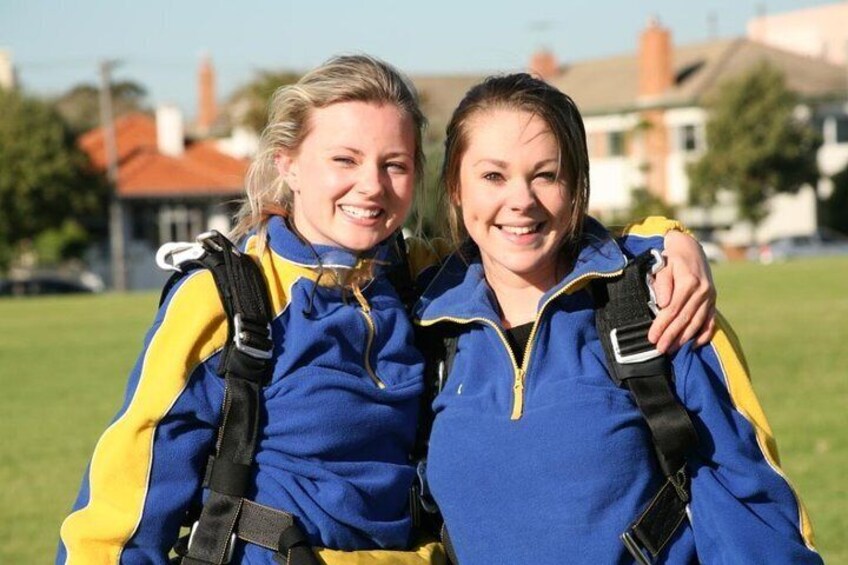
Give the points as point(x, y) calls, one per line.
point(645, 120)
point(817, 31)
point(169, 188)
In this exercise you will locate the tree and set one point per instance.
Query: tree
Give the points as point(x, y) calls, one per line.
point(834, 210)
point(428, 217)
point(80, 106)
point(250, 102)
point(47, 186)
point(755, 145)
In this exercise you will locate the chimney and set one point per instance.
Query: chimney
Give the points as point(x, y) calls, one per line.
point(207, 110)
point(7, 71)
point(655, 68)
point(543, 64)
point(169, 130)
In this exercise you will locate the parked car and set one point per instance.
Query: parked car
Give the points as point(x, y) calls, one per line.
point(38, 284)
point(820, 243)
point(712, 249)
point(713, 252)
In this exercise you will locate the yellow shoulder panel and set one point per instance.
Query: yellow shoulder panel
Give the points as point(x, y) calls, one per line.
point(192, 329)
point(650, 226)
point(423, 253)
point(729, 353)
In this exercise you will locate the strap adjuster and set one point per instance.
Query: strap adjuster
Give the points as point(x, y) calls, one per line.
point(243, 334)
point(629, 358)
point(635, 549)
point(231, 545)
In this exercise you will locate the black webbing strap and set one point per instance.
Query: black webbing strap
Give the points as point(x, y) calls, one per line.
point(400, 276)
point(439, 347)
point(448, 545)
point(623, 317)
point(275, 530)
point(245, 364)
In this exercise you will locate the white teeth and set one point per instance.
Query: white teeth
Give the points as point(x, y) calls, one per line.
point(520, 230)
point(358, 212)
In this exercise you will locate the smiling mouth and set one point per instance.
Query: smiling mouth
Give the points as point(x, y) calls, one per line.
point(521, 230)
point(361, 213)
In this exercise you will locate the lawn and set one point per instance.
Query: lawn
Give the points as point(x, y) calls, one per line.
point(63, 363)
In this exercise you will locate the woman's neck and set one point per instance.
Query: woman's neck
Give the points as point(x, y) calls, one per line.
point(517, 294)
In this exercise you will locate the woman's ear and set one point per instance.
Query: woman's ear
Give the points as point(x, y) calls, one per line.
point(455, 199)
point(287, 168)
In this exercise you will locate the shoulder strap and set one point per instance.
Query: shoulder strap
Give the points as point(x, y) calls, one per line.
point(245, 365)
point(399, 274)
point(624, 313)
point(439, 349)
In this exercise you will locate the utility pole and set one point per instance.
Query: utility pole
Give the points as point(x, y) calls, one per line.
point(116, 211)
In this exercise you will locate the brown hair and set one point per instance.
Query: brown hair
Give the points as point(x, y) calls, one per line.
point(345, 78)
point(522, 92)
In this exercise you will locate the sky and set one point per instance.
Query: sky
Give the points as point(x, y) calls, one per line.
point(57, 44)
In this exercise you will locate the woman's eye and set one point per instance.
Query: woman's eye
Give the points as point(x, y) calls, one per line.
point(343, 160)
point(493, 177)
point(396, 167)
point(547, 176)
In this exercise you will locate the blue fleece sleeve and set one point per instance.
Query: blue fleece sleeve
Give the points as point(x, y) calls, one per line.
point(743, 508)
point(146, 468)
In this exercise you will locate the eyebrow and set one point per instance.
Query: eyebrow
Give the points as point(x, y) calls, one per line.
point(496, 162)
point(504, 164)
point(359, 153)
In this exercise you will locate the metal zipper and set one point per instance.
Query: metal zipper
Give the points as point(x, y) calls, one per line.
point(365, 310)
point(520, 372)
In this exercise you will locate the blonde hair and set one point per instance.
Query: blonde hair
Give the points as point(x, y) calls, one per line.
point(345, 78)
point(522, 92)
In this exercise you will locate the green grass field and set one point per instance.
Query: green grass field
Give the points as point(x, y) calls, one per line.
point(63, 363)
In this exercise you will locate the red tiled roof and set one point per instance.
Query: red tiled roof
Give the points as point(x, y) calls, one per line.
point(143, 171)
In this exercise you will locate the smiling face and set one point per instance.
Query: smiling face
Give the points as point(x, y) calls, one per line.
point(514, 203)
point(353, 175)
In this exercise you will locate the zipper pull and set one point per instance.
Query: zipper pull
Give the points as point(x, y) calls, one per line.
point(357, 292)
point(518, 395)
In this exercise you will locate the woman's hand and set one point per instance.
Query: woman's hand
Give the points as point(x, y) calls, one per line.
point(685, 294)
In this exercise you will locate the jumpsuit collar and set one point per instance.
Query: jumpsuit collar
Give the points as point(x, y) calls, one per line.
point(460, 291)
point(325, 259)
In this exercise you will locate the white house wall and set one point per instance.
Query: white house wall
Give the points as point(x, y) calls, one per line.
point(611, 178)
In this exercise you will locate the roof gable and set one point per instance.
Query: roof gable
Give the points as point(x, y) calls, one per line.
point(202, 170)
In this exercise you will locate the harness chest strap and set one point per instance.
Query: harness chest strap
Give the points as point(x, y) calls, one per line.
point(245, 365)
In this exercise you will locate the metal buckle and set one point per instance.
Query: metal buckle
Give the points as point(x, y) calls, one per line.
point(635, 549)
point(228, 550)
point(241, 334)
point(171, 255)
point(206, 240)
point(659, 263)
point(638, 357)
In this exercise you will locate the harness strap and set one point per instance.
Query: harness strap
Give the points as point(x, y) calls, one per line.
point(245, 365)
point(448, 545)
point(623, 316)
point(400, 275)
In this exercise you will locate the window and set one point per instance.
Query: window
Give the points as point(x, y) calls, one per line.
point(842, 129)
point(615, 142)
point(688, 138)
point(179, 222)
